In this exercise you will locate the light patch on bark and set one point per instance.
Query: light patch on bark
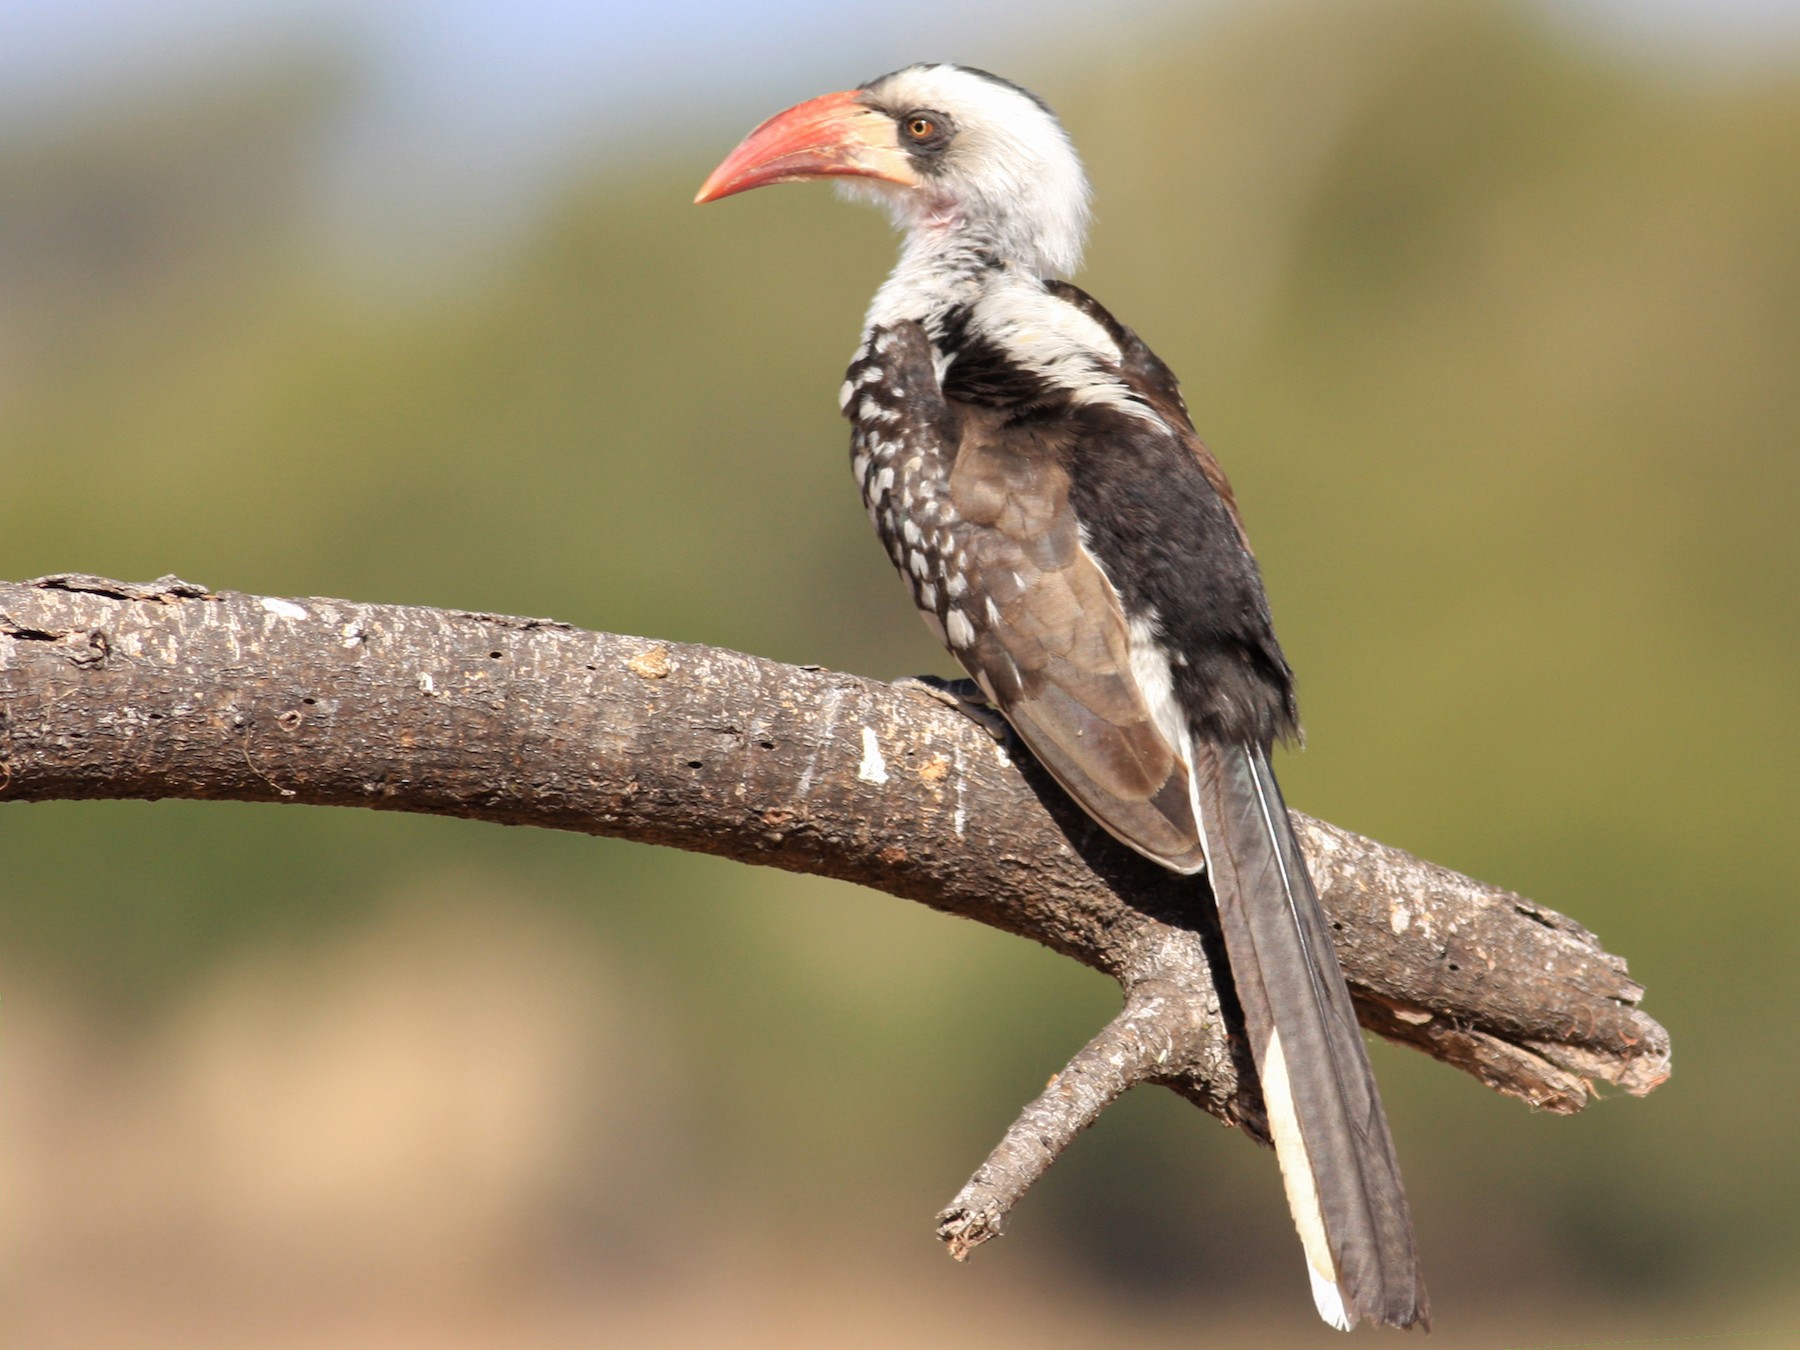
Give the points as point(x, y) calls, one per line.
point(873, 768)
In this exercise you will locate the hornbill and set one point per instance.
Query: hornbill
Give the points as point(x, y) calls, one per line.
point(1031, 468)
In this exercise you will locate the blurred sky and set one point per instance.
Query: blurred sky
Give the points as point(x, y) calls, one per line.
point(465, 107)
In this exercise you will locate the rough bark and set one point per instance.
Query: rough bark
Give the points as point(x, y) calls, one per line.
point(109, 689)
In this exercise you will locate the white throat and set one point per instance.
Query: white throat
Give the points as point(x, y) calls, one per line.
point(941, 268)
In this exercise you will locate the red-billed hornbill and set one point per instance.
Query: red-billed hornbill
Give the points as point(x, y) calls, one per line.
point(1031, 468)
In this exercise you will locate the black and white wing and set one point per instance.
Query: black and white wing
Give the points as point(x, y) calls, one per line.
point(979, 523)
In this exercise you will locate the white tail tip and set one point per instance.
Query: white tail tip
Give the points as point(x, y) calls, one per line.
point(1327, 1300)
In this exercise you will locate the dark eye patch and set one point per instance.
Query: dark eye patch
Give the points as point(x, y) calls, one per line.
point(924, 134)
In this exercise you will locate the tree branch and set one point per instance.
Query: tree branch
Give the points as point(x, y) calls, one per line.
point(167, 690)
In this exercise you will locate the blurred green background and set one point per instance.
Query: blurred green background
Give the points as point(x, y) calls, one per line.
point(1491, 310)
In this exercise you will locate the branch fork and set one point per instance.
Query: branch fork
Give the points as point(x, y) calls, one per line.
point(1166, 1033)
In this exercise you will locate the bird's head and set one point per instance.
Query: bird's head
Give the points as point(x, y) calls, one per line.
point(951, 151)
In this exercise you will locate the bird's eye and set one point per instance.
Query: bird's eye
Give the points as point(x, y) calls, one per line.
point(921, 128)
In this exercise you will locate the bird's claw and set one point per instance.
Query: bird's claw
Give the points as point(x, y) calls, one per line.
point(965, 696)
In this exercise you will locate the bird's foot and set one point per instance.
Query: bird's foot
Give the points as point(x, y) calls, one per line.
point(965, 696)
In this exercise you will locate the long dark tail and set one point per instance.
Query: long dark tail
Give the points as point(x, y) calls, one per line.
point(1331, 1135)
